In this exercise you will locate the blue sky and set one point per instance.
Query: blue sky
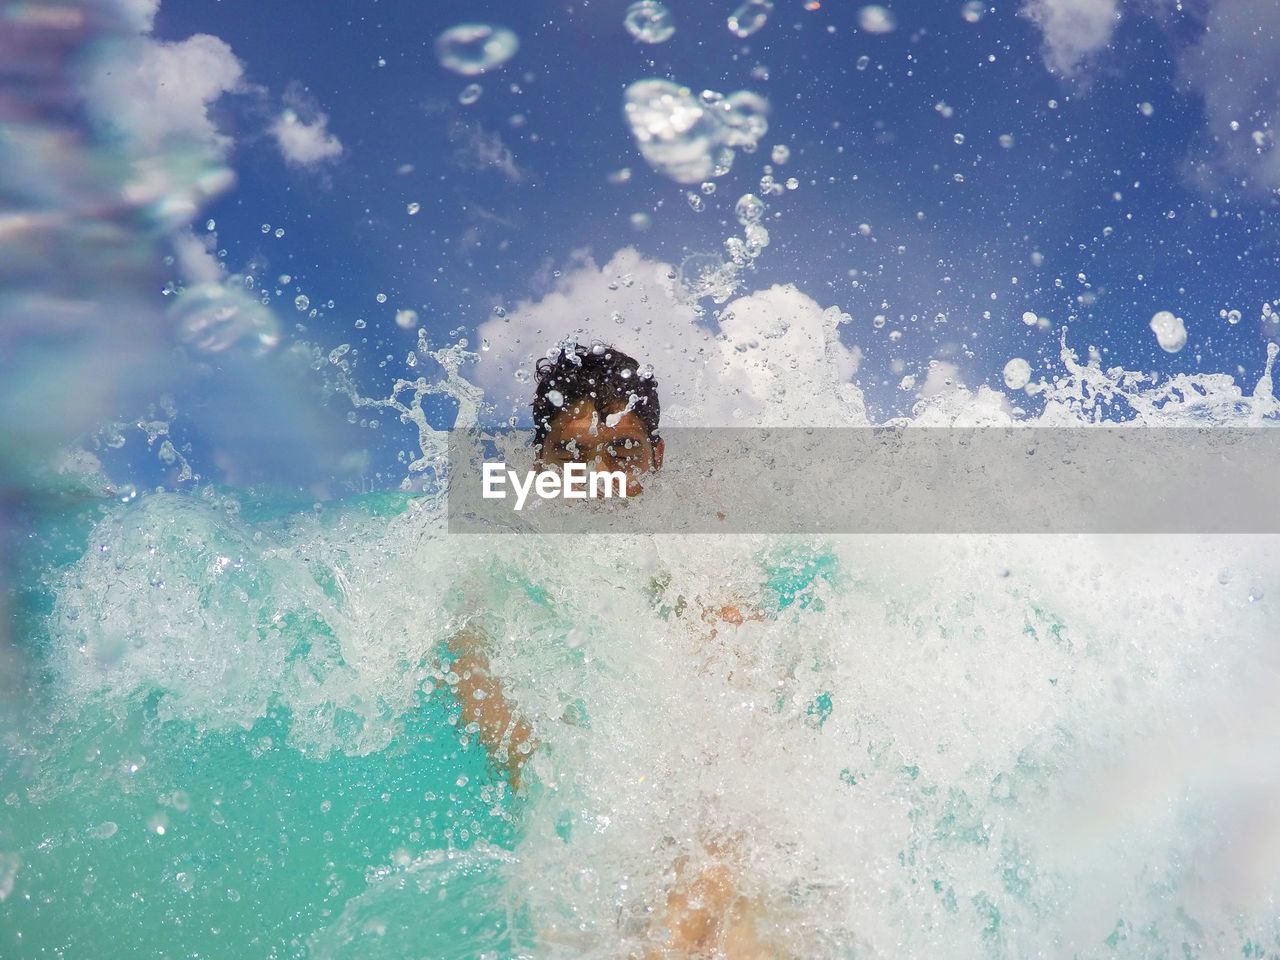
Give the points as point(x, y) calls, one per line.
point(1124, 190)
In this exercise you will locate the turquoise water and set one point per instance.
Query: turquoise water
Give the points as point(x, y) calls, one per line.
point(146, 834)
point(235, 744)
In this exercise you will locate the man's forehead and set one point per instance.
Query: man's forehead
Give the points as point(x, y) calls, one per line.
point(582, 420)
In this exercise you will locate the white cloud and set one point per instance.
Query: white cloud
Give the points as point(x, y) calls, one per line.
point(158, 94)
point(141, 14)
point(305, 144)
point(1236, 70)
point(775, 358)
point(1073, 30)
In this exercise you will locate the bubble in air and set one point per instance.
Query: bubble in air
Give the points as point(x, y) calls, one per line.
point(649, 21)
point(1017, 373)
point(1170, 331)
point(470, 94)
point(475, 48)
point(874, 18)
point(750, 17)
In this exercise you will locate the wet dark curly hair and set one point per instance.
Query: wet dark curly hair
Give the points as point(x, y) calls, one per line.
point(600, 374)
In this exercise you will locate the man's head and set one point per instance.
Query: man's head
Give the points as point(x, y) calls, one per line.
point(594, 405)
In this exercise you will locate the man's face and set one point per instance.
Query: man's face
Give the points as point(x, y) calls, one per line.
point(579, 434)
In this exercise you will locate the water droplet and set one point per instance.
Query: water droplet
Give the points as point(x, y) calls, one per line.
point(406, 319)
point(1017, 373)
point(470, 94)
point(692, 138)
point(1233, 317)
point(474, 48)
point(210, 225)
point(279, 232)
point(1170, 331)
point(555, 398)
point(749, 209)
point(381, 298)
point(973, 11)
point(696, 203)
point(863, 62)
point(649, 21)
point(750, 17)
point(781, 153)
point(874, 18)
point(266, 228)
point(792, 183)
point(301, 301)
point(413, 208)
point(1006, 140)
point(1146, 109)
point(958, 138)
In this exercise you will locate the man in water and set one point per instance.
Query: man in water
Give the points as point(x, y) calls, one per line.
point(596, 406)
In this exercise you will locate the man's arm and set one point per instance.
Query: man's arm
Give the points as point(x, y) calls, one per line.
point(507, 736)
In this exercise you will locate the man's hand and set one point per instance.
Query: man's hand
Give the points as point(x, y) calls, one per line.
point(508, 737)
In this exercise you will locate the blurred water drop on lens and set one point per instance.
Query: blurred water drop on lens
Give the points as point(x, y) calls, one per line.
point(649, 21)
point(212, 317)
point(750, 17)
point(874, 18)
point(474, 48)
